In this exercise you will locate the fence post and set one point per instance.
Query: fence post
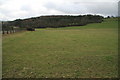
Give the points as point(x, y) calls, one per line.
point(3, 32)
point(7, 32)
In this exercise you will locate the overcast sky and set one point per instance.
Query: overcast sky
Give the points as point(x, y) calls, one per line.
point(20, 9)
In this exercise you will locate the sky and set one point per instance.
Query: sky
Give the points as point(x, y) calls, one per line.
point(21, 9)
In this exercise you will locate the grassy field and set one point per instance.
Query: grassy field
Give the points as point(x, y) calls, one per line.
point(89, 51)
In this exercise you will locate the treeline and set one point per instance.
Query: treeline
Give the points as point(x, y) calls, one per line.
point(55, 21)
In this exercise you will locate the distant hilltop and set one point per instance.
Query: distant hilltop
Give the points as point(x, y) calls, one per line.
point(55, 21)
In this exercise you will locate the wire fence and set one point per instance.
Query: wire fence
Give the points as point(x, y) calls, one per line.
point(5, 28)
point(12, 30)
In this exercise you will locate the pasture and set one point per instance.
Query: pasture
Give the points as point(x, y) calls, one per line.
point(89, 51)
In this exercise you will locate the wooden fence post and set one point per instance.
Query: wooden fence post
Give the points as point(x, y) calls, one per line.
point(3, 32)
point(7, 32)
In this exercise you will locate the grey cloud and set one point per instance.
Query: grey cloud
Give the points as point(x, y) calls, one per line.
point(105, 8)
point(26, 8)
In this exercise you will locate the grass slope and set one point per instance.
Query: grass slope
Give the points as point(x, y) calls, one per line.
point(85, 51)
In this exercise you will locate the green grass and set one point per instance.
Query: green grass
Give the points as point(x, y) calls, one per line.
point(85, 52)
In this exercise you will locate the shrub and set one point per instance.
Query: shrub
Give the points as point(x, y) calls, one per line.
point(30, 29)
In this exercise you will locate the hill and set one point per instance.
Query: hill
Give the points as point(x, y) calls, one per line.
point(55, 21)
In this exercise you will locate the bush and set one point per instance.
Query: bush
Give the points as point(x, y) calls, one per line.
point(30, 29)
